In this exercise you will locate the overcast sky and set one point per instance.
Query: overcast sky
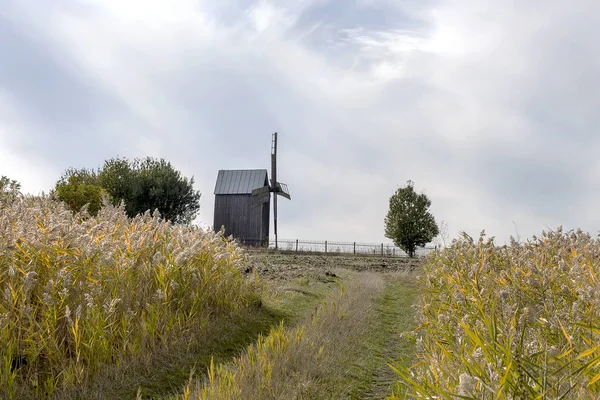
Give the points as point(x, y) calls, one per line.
point(492, 108)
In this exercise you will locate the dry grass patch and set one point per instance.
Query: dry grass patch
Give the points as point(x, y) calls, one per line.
point(81, 295)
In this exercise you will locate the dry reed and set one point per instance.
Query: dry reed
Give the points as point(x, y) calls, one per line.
point(79, 293)
point(511, 322)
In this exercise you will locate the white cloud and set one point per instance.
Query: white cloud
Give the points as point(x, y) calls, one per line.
point(488, 106)
point(16, 160)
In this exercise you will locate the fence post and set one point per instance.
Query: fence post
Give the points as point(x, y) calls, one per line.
point(354, 248)
point(381, 248)
point(296, 245)
point(326, 246)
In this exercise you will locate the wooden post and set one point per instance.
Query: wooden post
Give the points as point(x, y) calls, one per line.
point(381, 248)
point(354, 248)
point(296, 245)
point(326, 246)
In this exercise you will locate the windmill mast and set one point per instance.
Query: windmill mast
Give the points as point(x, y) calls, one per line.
point(274, 183)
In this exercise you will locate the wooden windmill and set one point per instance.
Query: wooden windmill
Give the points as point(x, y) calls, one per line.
point(262, 195)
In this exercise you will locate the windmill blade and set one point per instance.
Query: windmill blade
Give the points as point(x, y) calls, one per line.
point(282, 190)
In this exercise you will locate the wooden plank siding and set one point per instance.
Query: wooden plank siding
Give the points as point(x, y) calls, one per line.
point(242, 218)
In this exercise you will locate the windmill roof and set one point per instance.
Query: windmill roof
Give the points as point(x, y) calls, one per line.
point(240, 181)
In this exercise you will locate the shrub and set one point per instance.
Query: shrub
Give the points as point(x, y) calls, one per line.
point(78, 188)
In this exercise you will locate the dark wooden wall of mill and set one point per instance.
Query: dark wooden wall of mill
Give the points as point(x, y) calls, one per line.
point(242, 218)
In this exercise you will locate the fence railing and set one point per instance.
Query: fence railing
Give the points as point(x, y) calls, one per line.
point(336, 247)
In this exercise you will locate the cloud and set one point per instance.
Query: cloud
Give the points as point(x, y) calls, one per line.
point(22, 163)
point(490, 107)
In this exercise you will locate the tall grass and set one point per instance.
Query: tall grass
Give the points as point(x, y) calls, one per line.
point(80, 293)
point(512, 322)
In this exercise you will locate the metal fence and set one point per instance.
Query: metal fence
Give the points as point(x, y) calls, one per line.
point(335, 247)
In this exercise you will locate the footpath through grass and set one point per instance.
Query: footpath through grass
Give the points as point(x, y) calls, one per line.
point(395, 315)
point(368, 375)
point(341, 350)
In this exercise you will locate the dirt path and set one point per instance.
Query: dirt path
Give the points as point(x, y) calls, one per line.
point(286, 266)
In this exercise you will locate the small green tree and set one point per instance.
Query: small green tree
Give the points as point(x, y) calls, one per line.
point(408, 222)
point(78, 187)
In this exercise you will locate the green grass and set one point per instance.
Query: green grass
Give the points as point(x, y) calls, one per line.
point(226, 340)
point(369, 376)
point(295, 299)
point(230, 337)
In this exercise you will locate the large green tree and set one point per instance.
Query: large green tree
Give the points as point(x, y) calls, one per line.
point(146, 184)
point(151, 184)
point(408, 222)
point(117, 176)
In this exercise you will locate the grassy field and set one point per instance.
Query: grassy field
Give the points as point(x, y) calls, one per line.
point(119, 308)
point(111, 307)
point(347, 316)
